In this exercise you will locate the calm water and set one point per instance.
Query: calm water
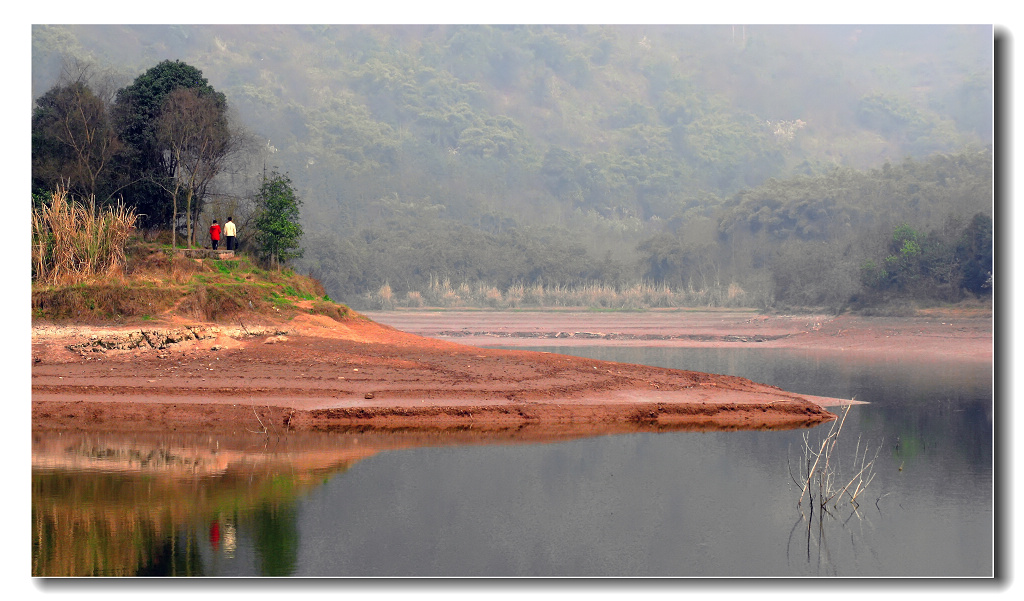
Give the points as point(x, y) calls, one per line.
point(667, 504)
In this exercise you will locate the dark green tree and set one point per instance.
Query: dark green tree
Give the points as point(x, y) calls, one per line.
point(934, 266)
point(974, 253)
point(137, 110)
point(278, 230)
point(900, 270)
point(276, 538)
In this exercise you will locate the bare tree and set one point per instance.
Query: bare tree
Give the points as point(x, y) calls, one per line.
point(76, 139)
point(198, 142)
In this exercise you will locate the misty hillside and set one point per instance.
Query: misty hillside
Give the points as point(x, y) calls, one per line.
point(570, 154)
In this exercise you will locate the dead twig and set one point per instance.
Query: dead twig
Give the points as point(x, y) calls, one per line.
point(259, 420)
point(262, 425)
point(824, 468)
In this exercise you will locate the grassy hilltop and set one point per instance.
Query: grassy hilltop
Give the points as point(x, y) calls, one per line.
point(157, 284)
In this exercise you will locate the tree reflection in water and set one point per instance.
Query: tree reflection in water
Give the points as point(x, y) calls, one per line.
point(109, 504)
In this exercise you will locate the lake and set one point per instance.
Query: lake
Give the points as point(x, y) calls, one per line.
point(687, 504)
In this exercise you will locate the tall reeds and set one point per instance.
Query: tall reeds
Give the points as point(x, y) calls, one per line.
point(387, 297)
point(71, 243)
point(820, 468)
point(640, 295)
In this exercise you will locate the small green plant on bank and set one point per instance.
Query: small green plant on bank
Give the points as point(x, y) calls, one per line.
point(293, 292)
point(278, 230)
point(278, 301)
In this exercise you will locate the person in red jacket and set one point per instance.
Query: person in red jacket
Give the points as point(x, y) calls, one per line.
point(215, 234)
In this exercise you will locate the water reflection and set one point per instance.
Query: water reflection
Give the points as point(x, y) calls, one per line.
point(914, 404)
point(110, 504)
point(539, 503)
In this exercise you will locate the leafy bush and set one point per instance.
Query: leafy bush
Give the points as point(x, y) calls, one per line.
point(277, 224)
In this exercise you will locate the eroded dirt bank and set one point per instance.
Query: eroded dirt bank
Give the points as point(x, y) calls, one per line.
point(316, 374)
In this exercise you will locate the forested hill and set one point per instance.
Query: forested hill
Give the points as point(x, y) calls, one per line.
point(569, 154)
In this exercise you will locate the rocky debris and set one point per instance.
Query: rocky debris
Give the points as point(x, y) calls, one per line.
point(162, 339)
point(126, 341)
point(205, 253)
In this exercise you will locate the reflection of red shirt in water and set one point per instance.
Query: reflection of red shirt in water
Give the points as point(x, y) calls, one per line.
point(215, 534)
point(215, 232)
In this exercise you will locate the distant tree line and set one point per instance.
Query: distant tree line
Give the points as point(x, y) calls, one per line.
point(915, 231)
point(573, 155)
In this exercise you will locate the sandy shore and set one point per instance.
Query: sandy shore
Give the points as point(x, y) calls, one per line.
point(942, 336)
point(313, 373)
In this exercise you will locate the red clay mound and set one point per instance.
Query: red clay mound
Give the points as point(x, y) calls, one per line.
point(317, 373)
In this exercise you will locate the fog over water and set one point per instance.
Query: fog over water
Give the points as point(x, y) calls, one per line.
point(756, 165)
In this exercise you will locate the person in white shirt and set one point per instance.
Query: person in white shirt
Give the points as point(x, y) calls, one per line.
point(229, 234)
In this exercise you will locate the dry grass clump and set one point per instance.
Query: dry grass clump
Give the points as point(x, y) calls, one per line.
point(147, 262)
point(71, 244)
point(515, 295)
point(218, 302)
point(534, 295)
point(414, 298)
point(491, 295)
point(441, 294)
point(597, 295)
point(295, 284)
point(387, 298)
point(333, 310)
point(85, 301)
